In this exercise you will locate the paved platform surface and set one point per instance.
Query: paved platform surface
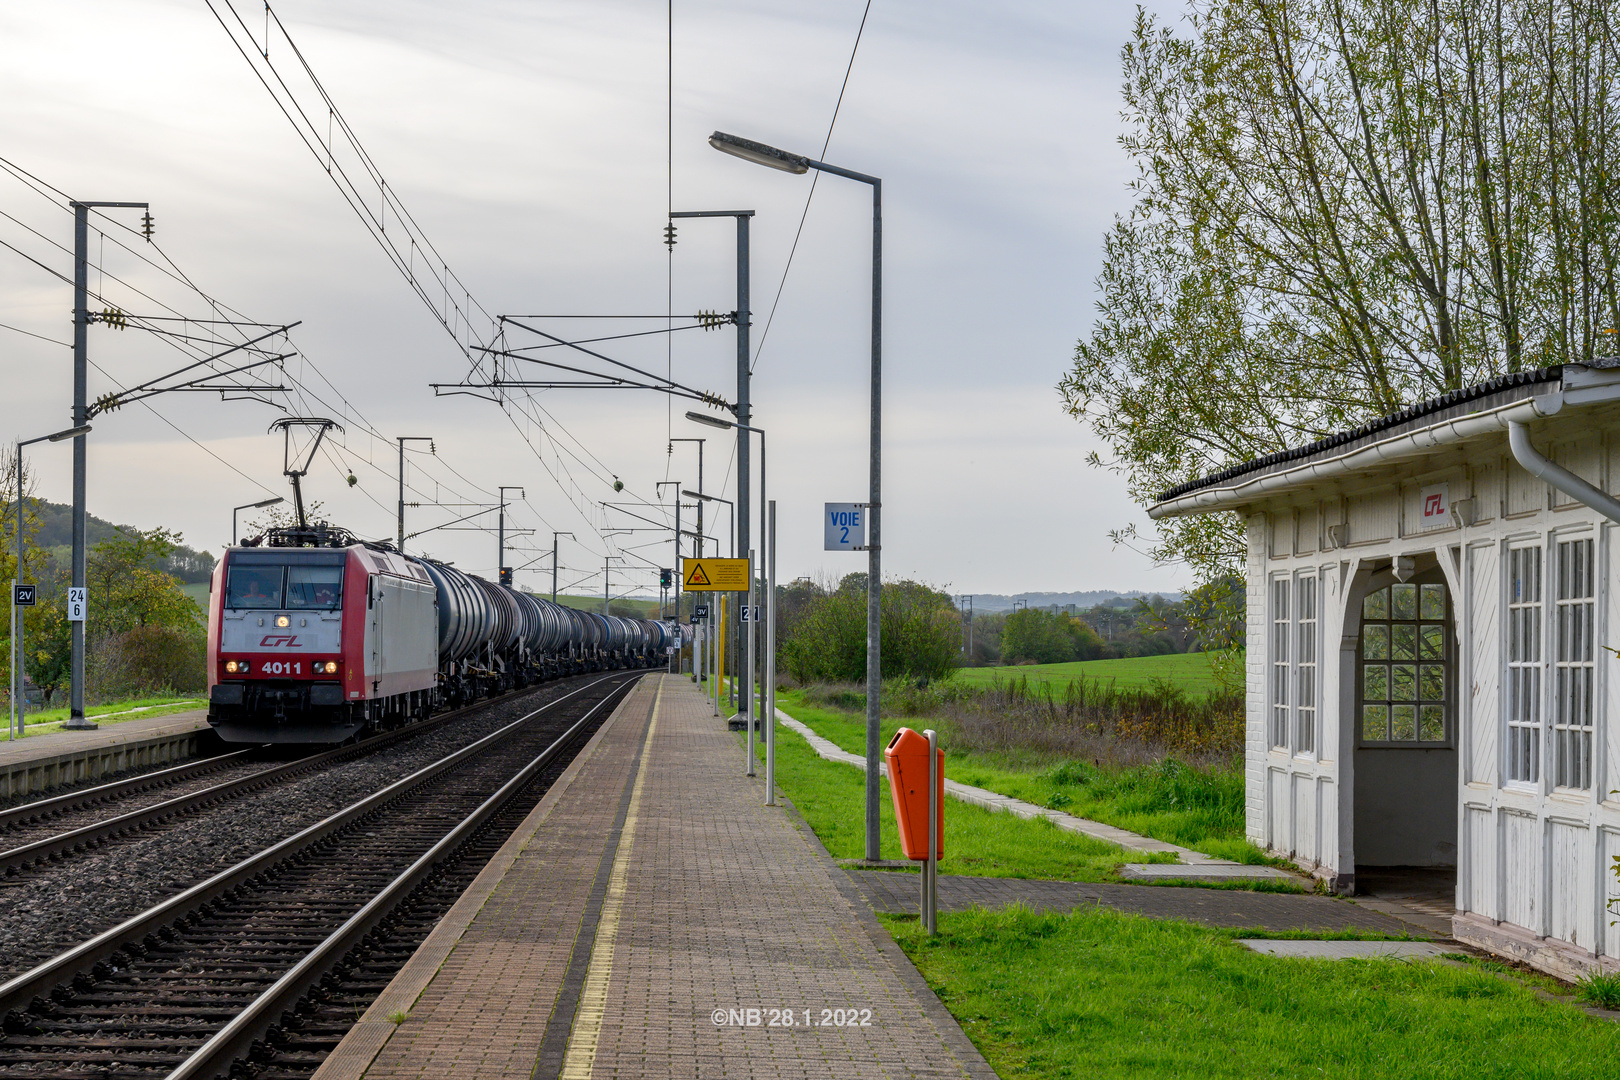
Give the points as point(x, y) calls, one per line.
point(56, 743)
point(645, 921)
point(899, 892)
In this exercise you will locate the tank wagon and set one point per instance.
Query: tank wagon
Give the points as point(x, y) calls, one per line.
point(316, 637)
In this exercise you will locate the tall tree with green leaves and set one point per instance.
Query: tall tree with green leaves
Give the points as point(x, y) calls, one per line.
point(1343, 207)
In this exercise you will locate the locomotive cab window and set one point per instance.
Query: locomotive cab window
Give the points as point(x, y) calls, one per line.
point(253, 587)
point(317, 587)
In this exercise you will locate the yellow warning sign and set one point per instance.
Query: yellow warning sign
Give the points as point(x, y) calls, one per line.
point(714, 575)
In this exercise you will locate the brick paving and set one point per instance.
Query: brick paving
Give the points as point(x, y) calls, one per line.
point(723, 905)
point(899, 892)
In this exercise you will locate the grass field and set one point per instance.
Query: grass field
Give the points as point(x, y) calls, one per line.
point(831, 796)
point(1099, 993)
point(45, 721)
point(1196, 808)
point(1189, 671)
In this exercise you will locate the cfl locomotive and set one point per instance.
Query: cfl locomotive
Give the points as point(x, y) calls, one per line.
point(315, 637)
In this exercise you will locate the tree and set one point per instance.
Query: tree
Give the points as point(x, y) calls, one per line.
point(1343, 207)
point(921, 632)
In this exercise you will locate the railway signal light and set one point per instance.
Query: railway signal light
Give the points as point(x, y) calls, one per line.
point(666, 579)
point(506, 576)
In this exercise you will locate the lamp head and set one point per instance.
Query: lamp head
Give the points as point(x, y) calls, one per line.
point(712, 421)
point(759, 153)
point(70, 433)
point(269, 502)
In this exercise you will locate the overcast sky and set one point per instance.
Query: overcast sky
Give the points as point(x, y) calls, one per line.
point(528, 140)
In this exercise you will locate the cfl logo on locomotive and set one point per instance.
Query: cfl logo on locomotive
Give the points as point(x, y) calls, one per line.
point(279, 641)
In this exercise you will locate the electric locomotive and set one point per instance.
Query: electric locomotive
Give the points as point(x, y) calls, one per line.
point(317, 637)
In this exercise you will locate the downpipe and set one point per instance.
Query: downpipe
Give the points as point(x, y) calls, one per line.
point(1532, 461)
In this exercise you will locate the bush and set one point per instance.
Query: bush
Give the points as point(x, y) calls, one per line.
point(921, 634)
point(145, 661)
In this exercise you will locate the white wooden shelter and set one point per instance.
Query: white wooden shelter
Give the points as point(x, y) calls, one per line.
point(1429, 601)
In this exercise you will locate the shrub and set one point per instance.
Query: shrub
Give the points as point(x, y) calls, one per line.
point(146, 660)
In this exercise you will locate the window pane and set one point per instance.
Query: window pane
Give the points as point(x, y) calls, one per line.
point(1375, 682)
point(1432, 724)
point(1375, 723)
point(1432, 682)
point(1376, 606)
point(1403, 601)
point(314, 587)
point(1403, 682)
point(1375, 642)
point(1432, 642)
point(254, 587)
point(1403, 723)
point(1434, 602)
point(1404, 645)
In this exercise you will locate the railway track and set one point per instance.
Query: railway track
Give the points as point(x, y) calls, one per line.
point(79, 821)
point(216, 974)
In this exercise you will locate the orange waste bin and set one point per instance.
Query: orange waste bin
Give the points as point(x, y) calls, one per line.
point(907, 757)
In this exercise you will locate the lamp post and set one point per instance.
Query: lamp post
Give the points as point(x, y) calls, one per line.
point(767, 556)
point(250, 506)
point(731, 510)
point(771, 157)
point(19, 656)
point(402, 440)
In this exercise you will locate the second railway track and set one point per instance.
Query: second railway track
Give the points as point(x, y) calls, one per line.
point(215, 968)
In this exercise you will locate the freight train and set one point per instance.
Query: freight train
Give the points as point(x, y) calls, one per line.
point(316, 637)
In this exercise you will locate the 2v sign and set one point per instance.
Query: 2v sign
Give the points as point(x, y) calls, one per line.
point(24, 595)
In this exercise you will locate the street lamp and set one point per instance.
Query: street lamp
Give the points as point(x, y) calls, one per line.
point(768, 558)
point(731, 511)
point(251, 506)
point(771, 157)
point(19, 656)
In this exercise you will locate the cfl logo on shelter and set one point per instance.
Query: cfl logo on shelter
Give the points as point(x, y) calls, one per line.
point(1436, 506)
point(279, 641)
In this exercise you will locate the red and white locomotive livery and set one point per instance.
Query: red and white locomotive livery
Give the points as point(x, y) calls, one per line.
point(315, 637)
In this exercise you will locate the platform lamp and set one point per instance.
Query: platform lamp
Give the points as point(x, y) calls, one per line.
point(19, 656)
point(771, 157)
point(261, 504)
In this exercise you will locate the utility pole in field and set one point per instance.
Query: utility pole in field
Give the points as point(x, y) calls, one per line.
point(503, 572)
point(403, 439)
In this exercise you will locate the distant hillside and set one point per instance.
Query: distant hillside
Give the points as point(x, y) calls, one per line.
point(1003, 602)
point(56, 535)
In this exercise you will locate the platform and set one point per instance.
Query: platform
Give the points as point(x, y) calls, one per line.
point(41, 762)
point(651, 918)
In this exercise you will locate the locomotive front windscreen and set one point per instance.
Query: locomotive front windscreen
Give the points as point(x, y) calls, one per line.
point(254, 587)
point(310, 581)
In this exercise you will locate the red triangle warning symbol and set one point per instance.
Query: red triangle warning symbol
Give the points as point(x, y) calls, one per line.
point(697, 576)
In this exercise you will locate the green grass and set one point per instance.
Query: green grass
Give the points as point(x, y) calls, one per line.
point(1099, 993)
point(1189, 671)
point(831, 797)
point(1168, 801)
point(45, 721)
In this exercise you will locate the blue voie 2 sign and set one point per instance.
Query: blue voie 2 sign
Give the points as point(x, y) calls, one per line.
point(844, 526)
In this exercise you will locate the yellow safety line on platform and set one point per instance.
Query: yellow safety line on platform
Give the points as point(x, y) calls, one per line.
point(587, 1032)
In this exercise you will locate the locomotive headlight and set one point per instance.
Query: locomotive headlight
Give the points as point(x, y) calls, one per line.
point(282, 620)
point(330, 667)
point(234, 667)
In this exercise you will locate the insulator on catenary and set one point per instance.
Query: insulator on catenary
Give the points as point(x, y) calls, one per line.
point(669, 236)
point(148, 226)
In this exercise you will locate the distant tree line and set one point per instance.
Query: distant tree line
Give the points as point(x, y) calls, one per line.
point(1149, 626)
point(821, 630)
